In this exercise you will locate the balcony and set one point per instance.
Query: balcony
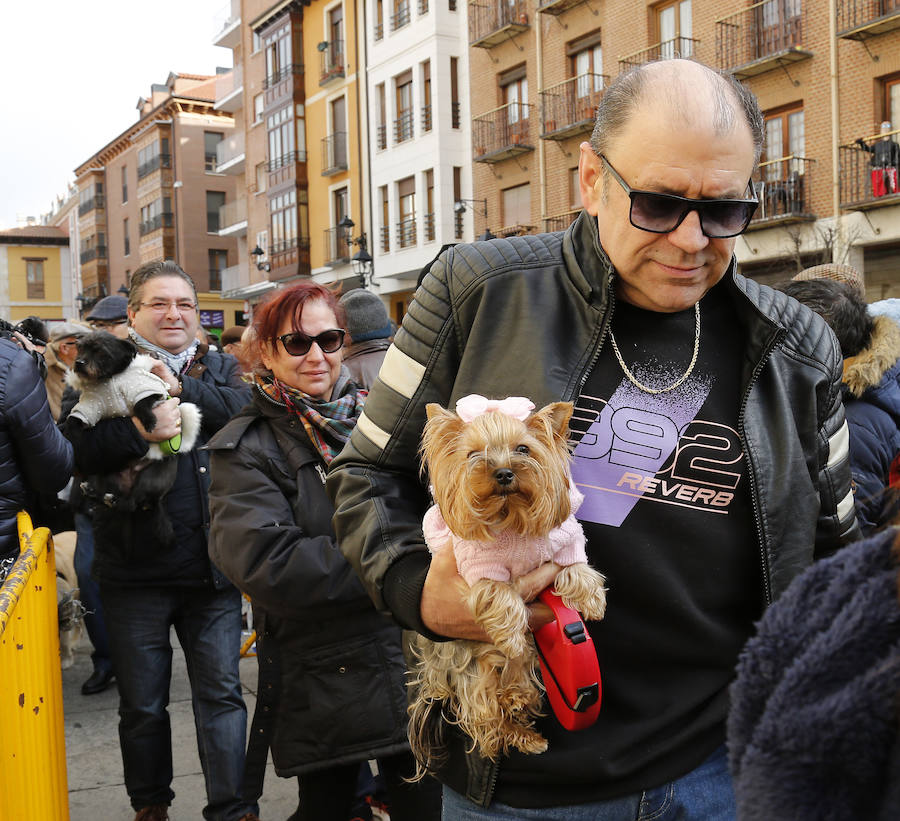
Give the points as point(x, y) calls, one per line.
point(289, 258)
point(379, 30)
point(403, 127)
point(230, 34)
point(272, 80)
point(230, 154)
point(864, 187)
point(337, 249)
point(568, 108)
point(95, 202)
point(502, 133)
point(861, 19)
point(154, 164)
point(230, 90)
point(761, 37)
point(426, 118)
point(666, 50)
point(97, 252)
point(385, 238)
point(784, 187)
point(428, 227)
point(455, 115)
point(492, 22)
point(557, 7)
point(164, 220)
point(400, 17)
point(285, 160)
point(233, 219)
point(232, 279)
point(381, 137)
point(334, 153)
point(406, 232)
point(332, 65)
point(559, 222)
point(423, 7)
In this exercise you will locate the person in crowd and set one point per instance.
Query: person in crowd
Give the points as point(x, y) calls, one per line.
point(871, 387)
point(885, 161)
point(837, 271)
point(232, 344)
point(108, 314)
point(332, 692)
point(814, 729)
point(706, 440)
point(60, 357)
point(147, 588)
point(35, 458)
point(370, 332)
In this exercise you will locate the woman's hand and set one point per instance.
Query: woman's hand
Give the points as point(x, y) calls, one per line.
point(168, 421)
point(443, 607)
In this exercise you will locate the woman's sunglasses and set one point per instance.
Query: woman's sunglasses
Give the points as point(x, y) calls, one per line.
point(298, 343)
point(662, 213)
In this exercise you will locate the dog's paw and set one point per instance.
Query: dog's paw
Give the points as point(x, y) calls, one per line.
point(582, 588)
point(527, 740)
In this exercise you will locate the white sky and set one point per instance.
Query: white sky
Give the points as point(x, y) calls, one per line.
point(71, 82)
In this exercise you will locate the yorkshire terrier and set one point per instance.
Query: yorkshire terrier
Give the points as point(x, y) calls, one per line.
point(115, 380)
point(504, 503)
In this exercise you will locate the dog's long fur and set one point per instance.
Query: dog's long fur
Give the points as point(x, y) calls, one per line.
point(492, 691)
point(115, 380)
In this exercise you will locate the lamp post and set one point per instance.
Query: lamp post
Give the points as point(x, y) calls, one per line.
point(363, 264)
point(460, 208)
point(262, 265)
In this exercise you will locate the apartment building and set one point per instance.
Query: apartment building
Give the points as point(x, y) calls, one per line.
point(538, 69)
point(34, 273)
point(154, 192)
point(300, 161)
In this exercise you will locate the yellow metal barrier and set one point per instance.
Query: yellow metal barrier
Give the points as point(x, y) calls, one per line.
point(33, 780)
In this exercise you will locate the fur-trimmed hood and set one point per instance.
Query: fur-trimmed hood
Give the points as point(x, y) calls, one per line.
point(867, 369)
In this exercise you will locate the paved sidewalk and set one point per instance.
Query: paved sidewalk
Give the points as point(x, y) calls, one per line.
point(96, 789)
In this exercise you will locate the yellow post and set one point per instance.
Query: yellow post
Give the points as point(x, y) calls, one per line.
point(33, 780)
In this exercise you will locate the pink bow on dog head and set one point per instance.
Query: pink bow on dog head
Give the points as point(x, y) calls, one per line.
point(519, 407)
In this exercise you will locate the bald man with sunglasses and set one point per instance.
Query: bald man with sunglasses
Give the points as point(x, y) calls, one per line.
point(708, 439)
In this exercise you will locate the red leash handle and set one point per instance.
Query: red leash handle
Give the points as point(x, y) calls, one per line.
point(569, 665)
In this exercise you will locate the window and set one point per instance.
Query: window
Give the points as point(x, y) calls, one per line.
point(280, 132)
point(339, 132)
point(259, 102)
point(155, 215)
point(153, 156)
point(426, 96)
point(782, 168)
point(514, 89)
point(586, 56)
point(454, 92)
point(406, 198)
point(340, 208)
point(218, 262)
point(278, 55)
point(211, 140)
point(385, 220)
point(283, 210)
point(429, 205)
point(785, 137)
point(400, 17)
point(891, 105)
point(673, 22)
point(516, 204)
point(124, 185)
point(214, 201)
point(403, 94)
point(336, 25)
point(256, 42)
point(379, 19)
point(126, 236)
point(262, 178)
point(457, 196)
point(381, 117)
point(34, 277)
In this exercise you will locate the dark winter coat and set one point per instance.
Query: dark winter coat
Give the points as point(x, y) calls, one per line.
point(814, 728)
point(341, 693)
point(871, 384)
point(126, 551)
point(34, 455)
point(363, 360)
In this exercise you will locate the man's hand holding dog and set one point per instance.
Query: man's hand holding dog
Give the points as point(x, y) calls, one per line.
point(168, 421)
point(444, 610)
point(162, 371)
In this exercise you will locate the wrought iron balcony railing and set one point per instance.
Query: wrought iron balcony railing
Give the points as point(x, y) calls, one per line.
point(97, 201)
point(868, 179)
point(381, 137)
point(337, 248)
point(290, 158)
point(761, 37)
point(280, 74)
point(403, 127)
point(559, 222)
point(426, 118)
point(428, 227)
point(406, 232)
point(455, 115)
point(666, 50)
point(400, 17)
point(423, 7)
point(159, 161)
point(334, 153)
point(860, 19)
point(784, 188)
point(385, 238)
point(493, 21)
point(502, 133)
point(568, 108)
point(332, 62)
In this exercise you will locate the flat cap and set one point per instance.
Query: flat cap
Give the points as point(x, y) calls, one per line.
point(110, 308)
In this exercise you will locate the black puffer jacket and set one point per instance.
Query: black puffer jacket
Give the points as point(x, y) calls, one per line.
point(528, 316)
point(126, 551)
point(341, 694)
point(34, 455)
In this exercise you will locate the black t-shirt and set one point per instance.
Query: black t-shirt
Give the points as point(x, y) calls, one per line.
point(668, 519)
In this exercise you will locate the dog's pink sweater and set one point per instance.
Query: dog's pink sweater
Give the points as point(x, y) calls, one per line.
point(509, 555)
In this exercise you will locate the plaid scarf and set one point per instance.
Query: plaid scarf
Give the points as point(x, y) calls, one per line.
point(327, 423)
point(178, 362)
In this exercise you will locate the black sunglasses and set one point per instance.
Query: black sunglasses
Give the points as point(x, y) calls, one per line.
point(298, 343)
point(662, 213)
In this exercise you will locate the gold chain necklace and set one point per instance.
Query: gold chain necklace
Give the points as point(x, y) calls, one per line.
point(677, 382)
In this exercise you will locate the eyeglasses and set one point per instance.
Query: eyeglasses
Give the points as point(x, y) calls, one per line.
point(663, 213)
point(298, 343)
point(101, 324)
point(184, 306)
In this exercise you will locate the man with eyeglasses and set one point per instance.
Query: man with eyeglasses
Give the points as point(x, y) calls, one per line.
point(147, 588)
point(708, 439)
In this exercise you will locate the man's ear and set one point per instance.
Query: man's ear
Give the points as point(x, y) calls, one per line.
point(590, 178)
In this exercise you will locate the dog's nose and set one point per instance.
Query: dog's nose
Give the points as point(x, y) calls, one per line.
point(504, 476)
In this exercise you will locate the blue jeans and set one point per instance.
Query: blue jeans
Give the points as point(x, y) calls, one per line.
point(704, 794)
point(208, 625)
point(89, 592)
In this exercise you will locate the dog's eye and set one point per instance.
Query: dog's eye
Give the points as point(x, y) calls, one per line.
point(523, 449)
point(471, 454)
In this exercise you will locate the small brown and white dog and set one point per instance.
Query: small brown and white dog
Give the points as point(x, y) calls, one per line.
point(504, 503)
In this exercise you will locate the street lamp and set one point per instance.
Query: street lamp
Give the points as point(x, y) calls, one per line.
point(459, 208)
point(363, 264)
point(260, 264)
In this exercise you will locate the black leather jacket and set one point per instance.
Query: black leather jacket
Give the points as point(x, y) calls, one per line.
point(528, 316)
